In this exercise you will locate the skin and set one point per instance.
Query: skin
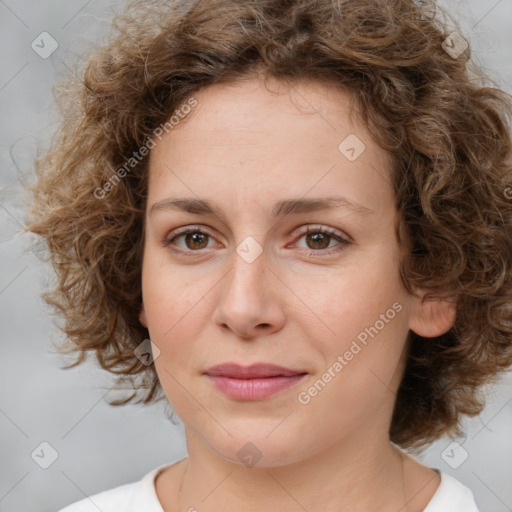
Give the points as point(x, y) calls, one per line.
point(244, 148)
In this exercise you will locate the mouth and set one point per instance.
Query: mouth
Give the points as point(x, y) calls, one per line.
point(255, 382)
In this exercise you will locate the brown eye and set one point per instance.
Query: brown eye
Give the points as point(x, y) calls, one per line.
point(318, 240)
point(194, 240)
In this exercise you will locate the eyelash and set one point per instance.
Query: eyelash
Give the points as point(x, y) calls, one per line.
point(310, 229)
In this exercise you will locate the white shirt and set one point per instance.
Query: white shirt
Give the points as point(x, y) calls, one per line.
point(451, 496)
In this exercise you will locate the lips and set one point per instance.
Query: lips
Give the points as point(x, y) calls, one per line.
point(256, 382)
point(255, 371)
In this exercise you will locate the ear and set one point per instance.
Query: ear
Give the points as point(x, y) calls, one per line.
point(142, 316)
point(431, 317)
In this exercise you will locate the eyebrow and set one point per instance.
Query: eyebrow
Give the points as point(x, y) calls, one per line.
point(282, 208)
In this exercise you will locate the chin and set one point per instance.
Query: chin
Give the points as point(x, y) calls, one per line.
point(260, 450)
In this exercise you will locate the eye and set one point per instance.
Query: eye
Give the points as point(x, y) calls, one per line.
point(195, 238)
point(319, 238)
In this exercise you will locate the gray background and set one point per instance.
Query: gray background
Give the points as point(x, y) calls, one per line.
point(98, 446)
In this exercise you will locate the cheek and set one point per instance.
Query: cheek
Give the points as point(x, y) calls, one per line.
point(343, 302)
point(360, 376)
point(178, 308)
point(360, 330)
point(170, 297)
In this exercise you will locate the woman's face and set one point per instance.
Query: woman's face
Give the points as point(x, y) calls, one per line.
point(249, 285)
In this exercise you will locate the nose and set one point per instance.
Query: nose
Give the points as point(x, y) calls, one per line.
point(251, 299)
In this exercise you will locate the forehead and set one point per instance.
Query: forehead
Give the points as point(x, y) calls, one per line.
point(251, 140)
point(252, 106)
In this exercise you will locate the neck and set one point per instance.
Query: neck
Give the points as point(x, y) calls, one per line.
point(348, 476)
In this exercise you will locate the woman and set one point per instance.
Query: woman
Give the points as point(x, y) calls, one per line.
point(290, 220)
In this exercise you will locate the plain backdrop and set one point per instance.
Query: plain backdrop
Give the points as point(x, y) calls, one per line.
point(95, 446)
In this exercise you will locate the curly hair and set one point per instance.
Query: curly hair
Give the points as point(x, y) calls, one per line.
point(444, 122)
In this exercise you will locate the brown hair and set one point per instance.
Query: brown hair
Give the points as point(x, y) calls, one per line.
point(448, 131)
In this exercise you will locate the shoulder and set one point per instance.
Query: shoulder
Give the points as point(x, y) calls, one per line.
point(451, 496)
point(106, 501)
point(123, 498)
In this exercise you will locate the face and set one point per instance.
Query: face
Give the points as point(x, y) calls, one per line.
point(311, 286)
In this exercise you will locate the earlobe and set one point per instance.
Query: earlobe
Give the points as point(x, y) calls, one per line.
point(432, 317)
point(142, 317)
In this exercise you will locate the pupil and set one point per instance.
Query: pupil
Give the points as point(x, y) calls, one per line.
point(196, 239)
point(319, 238)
